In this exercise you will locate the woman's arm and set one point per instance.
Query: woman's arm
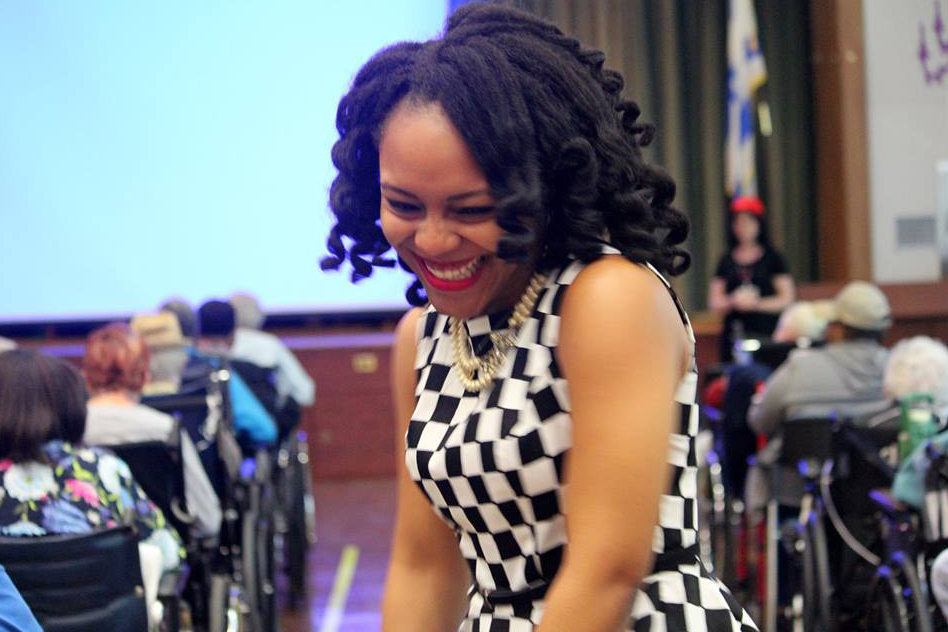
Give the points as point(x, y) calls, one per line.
point(718, 299)
point(427, 578)
point(623, 351)
point(786, 294)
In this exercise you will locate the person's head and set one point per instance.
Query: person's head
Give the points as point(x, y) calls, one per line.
point(41, 399)
point(802, 319)
point(501, 147)
point(116, 361)
point(187, 319)
point(747, 223)
point(167, 350)
point(918, 366)
point(158, 331)
point(217, 320)
point(247, 311)
point(860, 312)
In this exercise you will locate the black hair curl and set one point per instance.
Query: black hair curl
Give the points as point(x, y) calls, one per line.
point(544, 121)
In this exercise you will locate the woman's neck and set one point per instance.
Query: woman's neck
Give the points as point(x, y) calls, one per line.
point(747, 252)
point(114, 398)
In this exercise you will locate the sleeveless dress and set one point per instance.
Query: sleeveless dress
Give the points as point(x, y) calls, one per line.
point(491, 463)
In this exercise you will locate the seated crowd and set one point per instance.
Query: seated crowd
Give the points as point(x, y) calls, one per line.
point(60, 429)
point(827, 360)
point(57, 425)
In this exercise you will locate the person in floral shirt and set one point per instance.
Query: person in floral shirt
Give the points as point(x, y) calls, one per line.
point(50, 483)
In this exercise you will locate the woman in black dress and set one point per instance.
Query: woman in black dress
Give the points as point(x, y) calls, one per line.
point(751, 284)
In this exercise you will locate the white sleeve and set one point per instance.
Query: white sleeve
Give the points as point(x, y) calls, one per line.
point(202, 500)
point(292, 378)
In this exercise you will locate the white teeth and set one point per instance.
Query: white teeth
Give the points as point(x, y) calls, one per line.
point(455, 274)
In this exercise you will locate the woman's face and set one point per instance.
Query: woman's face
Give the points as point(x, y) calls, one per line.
point(746, 228)
point(437, 212)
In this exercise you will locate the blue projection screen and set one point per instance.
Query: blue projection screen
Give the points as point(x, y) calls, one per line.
point(180, 148)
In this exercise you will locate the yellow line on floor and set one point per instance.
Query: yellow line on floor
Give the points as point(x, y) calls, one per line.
point(336, 608)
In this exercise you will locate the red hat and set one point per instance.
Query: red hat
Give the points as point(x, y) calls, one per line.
point(748, 204)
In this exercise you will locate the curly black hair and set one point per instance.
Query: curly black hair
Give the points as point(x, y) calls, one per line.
point(543, 119)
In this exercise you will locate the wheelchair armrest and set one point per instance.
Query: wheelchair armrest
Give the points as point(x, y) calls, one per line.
point(892, 508)
point(180, 513)
point(172, 582)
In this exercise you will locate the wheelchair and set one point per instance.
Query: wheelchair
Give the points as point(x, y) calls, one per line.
point(296, 508)
point(841, 463)
point(900, 595)
point(53, 575)
point(731, 538)
point(293, 506)
point(234, 588)
point(157, 467)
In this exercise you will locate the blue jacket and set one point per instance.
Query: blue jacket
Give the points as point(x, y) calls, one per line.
point(252, 422)
point(15, 616)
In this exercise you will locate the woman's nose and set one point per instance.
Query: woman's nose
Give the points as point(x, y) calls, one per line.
point(436, 237)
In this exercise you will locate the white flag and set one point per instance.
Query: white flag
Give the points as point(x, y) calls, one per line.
point(746, 72)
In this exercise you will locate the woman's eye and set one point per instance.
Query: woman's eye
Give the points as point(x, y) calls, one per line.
point(402, 207)
point(474, 211)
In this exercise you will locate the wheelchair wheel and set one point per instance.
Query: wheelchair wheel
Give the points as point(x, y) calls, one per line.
point(218, 603)
point(266, 591)
point(721, 538)
point(808, 588)
point(820, 560)
point(918, 601)
point(886, 609)
point(250, 567)
point(297, 536)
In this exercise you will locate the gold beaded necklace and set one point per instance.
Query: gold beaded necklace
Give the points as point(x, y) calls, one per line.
point(485, 368)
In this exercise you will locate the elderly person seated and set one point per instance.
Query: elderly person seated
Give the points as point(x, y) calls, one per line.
point(254, 424)
point(804, 321)
point(266, 350)
point(51, 484)
point(919, 366)
point(845, 375)
point(176, 359)
point(116, 367)
point(186, 317)
point(801, 325)
point(268, 366)
point(167, 351)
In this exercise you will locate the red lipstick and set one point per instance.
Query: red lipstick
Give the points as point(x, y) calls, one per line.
point(447, 285)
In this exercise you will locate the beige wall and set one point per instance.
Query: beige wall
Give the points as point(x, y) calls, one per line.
point(907, 127)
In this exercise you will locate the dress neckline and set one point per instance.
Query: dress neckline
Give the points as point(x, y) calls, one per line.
point(479, 329)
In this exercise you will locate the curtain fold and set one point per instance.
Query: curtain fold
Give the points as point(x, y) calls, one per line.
point(672, 55)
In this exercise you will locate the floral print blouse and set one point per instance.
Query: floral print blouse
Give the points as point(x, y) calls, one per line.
point(79, 489)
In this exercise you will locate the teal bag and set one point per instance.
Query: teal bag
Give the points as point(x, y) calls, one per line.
point(909, 484)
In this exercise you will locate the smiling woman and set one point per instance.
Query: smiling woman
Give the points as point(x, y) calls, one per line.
point(547, 352)
point(437, 212)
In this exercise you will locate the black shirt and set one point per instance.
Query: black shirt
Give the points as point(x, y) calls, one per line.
point(761, 275)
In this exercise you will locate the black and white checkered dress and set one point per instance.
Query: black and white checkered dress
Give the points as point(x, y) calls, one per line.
point(492, 465)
